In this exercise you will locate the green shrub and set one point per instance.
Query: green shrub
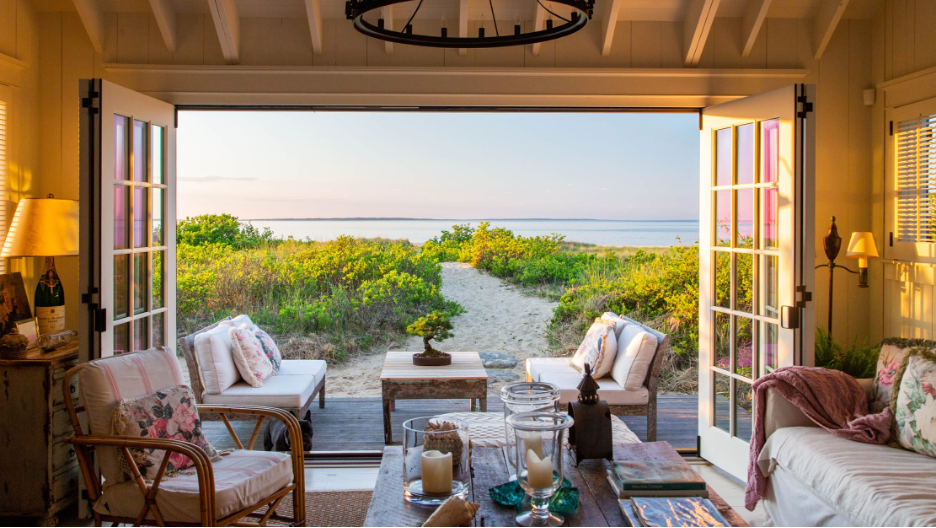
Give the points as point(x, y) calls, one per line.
point(858, 361)
point(223, 229)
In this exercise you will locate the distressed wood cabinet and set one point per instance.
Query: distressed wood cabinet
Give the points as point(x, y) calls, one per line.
point(38, 472)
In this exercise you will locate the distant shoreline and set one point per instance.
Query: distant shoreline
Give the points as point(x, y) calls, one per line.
point(407, 219)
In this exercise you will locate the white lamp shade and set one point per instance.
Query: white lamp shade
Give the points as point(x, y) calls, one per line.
point(862, 245)
point(43, 227)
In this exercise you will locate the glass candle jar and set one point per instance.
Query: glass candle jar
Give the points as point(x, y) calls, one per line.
point(524, 397)
point(538, 449)
point(435, 459)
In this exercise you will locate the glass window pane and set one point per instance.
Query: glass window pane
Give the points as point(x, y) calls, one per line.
point(723, 148)
point(744, 282)
point(157, 153)
point(139, 151)
point(158, 329)
point(723, 218)
point(745, 227)
point(121, 216)
point(140, 283)
point(122, 339)
point(770, 151)
point(745, 154)
point(743, 349)
point(158, 279)
point(722, 341)
point(158, 216)
point(121, 286)
point(722, 402)
point(722, 261)
point(744, 410)
point(768, 217)
point(141, 334)
point(769, 277)
point(121, 152)
point(768, 348)
point(140, 216)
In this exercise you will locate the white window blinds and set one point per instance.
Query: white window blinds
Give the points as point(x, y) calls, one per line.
point(915, 159)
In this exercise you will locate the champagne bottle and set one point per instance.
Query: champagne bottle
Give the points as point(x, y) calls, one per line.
point(50, 300)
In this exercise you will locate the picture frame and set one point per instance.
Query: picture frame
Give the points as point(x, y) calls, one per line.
point(30, 329)
point(14, 305)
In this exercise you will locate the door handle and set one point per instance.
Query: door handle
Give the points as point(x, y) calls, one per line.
point(789, 317)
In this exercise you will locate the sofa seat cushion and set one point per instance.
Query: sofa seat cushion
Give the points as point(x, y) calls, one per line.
point(558, 372)
point(871, 485)
point(284, 392)
point(536, 367)
point(241, 479)
point(304, 367)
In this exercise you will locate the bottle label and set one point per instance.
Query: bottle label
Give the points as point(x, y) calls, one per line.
point(51, 319)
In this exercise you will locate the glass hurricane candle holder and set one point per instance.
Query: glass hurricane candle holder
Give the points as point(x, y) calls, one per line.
point(538, 450)
point(525, 397)
point(435, 461)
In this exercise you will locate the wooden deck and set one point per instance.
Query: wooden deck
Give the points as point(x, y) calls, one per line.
point(357, 423)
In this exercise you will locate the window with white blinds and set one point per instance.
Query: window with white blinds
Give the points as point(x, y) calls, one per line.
point(915, 168)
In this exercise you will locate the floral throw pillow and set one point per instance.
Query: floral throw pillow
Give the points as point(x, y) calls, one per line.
point(598, 349)
point(249, 357)
point(269, 349)
point(893, 350)
point(167, 413)
point(914, 404)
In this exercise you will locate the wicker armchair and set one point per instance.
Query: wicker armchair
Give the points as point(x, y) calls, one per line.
point(232, 491)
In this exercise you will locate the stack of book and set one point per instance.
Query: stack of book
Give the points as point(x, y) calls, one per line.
point(671, 511)
point(656, 479)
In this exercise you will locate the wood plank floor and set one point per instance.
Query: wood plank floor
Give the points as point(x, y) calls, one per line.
point(357, 423)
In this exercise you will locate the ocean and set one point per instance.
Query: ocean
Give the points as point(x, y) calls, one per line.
point(600, 232)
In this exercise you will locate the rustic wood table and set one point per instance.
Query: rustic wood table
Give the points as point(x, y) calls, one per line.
point(401, 380)
point(597, 502)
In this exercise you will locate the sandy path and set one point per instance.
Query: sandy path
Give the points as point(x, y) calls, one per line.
point(499, 317)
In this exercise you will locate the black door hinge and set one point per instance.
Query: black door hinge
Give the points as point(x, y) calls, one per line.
point(892, 128)
point(89, 102)
point(805, 109)
point(100, 318)
point(891, 237)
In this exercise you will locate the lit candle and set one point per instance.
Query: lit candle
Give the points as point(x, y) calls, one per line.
point(539, 472)
point(437, 472)
point(534, 442)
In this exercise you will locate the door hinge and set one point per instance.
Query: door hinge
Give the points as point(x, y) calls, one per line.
point(892, 128)
point(90, 102)
point(100, 318)
point(805, 296)
point(891, 237)
point(805, 109)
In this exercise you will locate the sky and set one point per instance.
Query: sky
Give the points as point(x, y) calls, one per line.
point(610, 166)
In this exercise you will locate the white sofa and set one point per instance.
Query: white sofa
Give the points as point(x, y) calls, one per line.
point(817, 479)
point(640, 402)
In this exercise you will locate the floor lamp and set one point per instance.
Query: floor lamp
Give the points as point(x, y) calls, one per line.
point(832, 243)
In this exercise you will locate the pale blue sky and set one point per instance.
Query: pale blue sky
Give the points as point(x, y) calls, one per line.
point(614, 166)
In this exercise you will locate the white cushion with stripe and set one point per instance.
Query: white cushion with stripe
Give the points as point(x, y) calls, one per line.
point(215, 360)
point(104, 382)
point(241, 479)
point(285, 392)
point(558, 372)
point(303, 367)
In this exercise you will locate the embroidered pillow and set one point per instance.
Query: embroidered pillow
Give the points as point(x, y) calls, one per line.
point(167, 413)
point(892, 353)
point(270, 350)
point(914, 402)
point(597, 349)
point(619, 323)
point(249, 357)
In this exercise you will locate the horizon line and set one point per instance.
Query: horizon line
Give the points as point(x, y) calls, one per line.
point(404, 218)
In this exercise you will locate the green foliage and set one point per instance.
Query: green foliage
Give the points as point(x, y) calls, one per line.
point(225, 230)
point(435, 325)
point(858, 361)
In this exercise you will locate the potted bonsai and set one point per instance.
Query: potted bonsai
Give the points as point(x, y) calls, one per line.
point(435, 325)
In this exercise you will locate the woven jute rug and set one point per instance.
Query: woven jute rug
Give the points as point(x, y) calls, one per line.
point(330, 508)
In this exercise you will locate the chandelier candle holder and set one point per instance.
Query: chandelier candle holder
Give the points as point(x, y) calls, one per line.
point(581, 12)
point(435, 460)
point(524, 397)
point(539, 474)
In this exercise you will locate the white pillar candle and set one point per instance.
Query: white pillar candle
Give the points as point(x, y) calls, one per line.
point(539, 472)
point(534, 442)
point(437, 472)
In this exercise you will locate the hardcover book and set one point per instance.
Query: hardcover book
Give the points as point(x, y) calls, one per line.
point(688, 511)
point(640, 476)
point(626, 494)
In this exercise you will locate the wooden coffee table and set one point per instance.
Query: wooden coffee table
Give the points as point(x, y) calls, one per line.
point(401, 380)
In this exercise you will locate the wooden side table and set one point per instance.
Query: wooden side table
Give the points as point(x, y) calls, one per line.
point(38, 472)
point(401, 380)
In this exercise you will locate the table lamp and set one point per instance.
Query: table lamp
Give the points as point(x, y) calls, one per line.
point(45, 227)
point(862, 247)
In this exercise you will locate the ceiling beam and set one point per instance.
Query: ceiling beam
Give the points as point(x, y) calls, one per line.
point(827, 18)
point(227, 24)
point(608, 24)
point(751, 23)
point(463, 23)
point(539, 22)
point(314, 13)
point(92, 16)
point(699, 18)
point(165, 15)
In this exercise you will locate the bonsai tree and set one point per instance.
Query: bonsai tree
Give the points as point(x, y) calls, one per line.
point(435, 325)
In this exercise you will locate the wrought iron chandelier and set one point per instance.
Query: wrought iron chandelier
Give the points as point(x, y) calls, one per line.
point(582, 10)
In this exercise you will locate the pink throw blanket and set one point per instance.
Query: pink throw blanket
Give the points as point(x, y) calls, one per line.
point(830, 398)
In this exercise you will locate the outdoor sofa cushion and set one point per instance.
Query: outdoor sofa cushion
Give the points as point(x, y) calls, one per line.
point(241, 479)
point(636, 349)
point(304, 367)
point(104, 384)
point(215, 359)
point(287, 392)
point(558, 372)
point(870, 485)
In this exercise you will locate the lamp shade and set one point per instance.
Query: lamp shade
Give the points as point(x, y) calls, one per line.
point(862, 245)
point(43, 227)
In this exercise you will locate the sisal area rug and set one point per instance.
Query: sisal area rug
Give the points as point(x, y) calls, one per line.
point(331, 508)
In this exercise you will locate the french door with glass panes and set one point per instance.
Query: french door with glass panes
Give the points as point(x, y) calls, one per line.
point(128, 226)
point(755, 244)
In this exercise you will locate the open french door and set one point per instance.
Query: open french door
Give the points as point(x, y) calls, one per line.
point(756, 252)
point(128, 160)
